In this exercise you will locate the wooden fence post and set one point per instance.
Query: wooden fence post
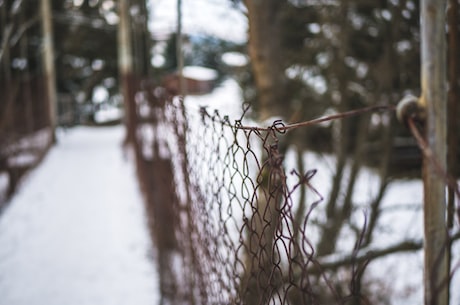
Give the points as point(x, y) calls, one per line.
point(48, 63)
point(126, 73)
point(433, 100)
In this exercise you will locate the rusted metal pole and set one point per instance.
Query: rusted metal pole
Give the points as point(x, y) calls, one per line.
point(433, 100)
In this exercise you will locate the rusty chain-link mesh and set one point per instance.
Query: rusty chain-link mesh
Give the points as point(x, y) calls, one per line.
point(229, 221)
point(223, 217)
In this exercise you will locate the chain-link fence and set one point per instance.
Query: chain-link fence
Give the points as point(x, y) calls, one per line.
point(230, 222)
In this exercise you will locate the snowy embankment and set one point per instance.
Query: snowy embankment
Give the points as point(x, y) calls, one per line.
point(76, 232)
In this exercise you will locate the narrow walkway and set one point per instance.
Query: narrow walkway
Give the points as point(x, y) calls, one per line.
point(76, 232)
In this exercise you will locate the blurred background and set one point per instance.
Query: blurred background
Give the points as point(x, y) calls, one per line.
point(75, 72)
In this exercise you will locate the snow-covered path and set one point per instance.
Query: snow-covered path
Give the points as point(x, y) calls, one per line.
point(76, 232)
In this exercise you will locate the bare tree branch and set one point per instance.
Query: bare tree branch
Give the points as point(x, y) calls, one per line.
point(334, 261)
point(15, 35)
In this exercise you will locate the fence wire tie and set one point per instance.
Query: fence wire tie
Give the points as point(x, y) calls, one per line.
point(278, 126)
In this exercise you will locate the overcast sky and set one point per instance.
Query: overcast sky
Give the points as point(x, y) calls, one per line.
point(213, 17)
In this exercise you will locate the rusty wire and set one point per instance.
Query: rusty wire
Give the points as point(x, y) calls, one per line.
point(428, 153)
point(222, 214)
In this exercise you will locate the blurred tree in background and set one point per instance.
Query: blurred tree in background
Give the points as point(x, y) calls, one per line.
point(86, 53)
point(86, 48)
point(326, 56)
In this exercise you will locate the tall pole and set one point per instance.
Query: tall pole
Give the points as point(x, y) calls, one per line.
point(454, 95)
point(433, 100)
point(48, 64)
point(179, 53)
point(125, 66)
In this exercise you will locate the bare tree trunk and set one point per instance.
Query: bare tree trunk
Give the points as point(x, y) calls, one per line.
point(342, 141)
point(266, 55)
point(433, 80)
point(26, 79)
point(374, 212)
point(337, 216)
point(261, 276)
point(48, 62)
point(4, 47)
point(5, 64)
point(140, 39)
point(265, 51)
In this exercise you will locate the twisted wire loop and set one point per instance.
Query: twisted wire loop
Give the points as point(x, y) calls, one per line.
point(225, 221)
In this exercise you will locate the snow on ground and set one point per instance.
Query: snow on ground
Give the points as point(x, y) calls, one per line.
point(76, 233)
